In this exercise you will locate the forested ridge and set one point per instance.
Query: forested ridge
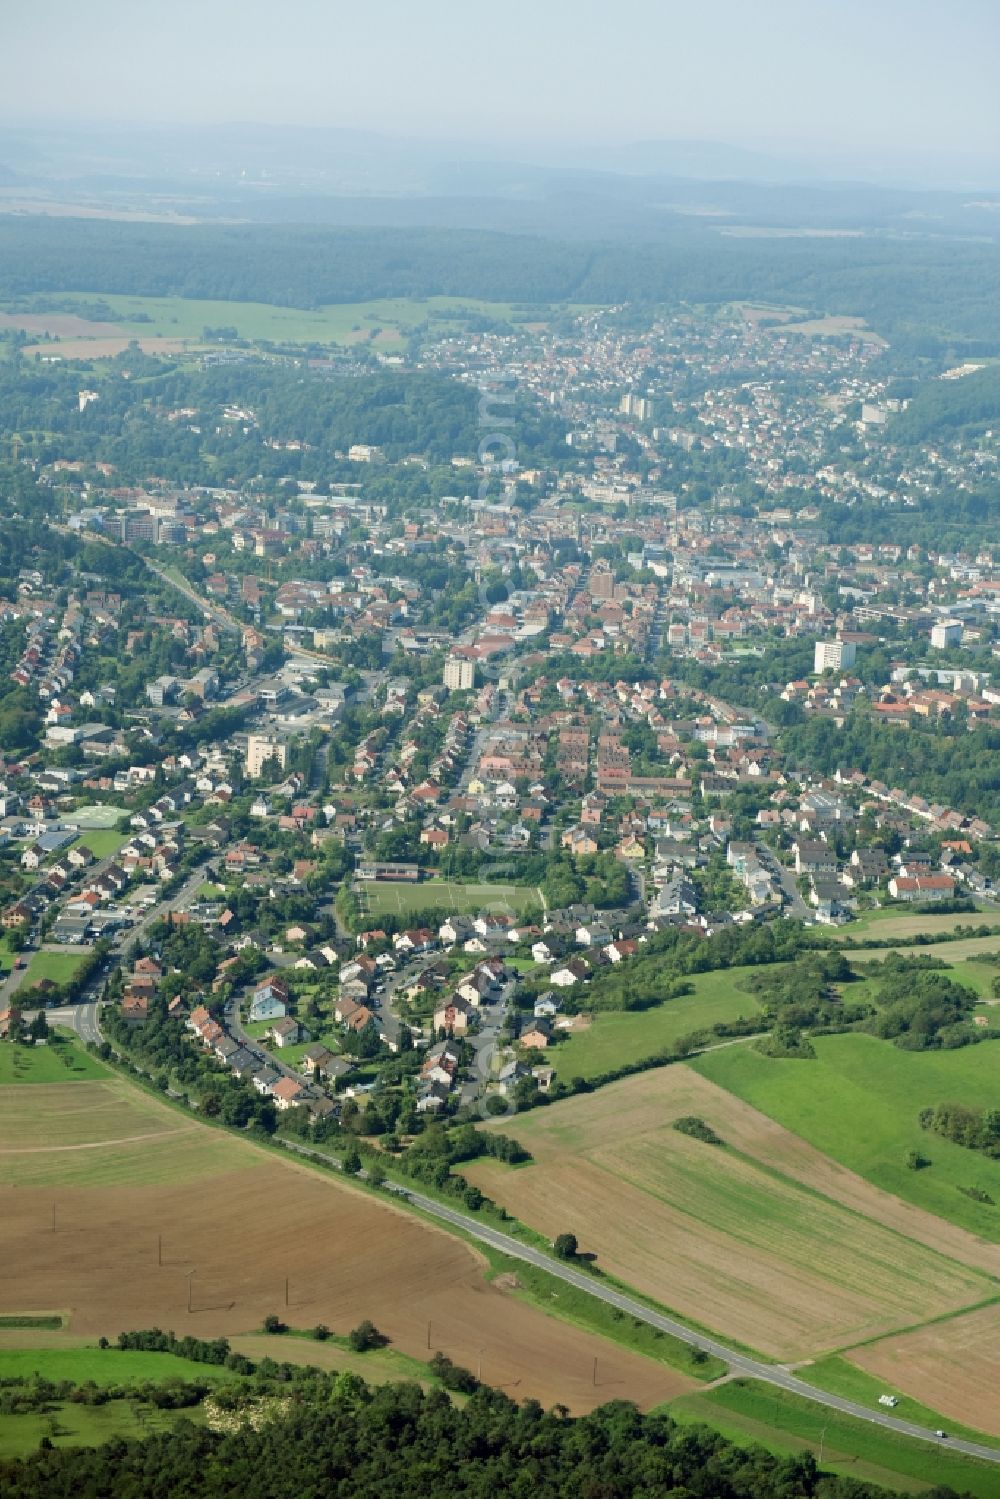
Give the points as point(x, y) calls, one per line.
point(918, 292)
point(345, 1439)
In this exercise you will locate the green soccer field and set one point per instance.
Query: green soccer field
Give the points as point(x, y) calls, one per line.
point(383, 898)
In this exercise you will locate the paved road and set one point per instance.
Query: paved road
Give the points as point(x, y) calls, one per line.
point(796, 906)
point(82, 1018)
point(738, 1363)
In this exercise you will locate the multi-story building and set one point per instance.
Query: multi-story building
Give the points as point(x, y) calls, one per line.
point(264, 747)
point(834, 655)
point(459, 674)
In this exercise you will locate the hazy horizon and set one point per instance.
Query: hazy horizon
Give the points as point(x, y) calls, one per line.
point(903, 86)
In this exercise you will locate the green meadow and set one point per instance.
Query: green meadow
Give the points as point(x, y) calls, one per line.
point(748, 1411)
point(60, 1061)
point(385, 322)
point(858, 1102)
point(619, 1038)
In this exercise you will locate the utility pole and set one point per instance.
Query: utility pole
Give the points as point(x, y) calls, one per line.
point(286, 1290)
point(159, 1249)
point(428, 1334)
point(822, 1439)
point(595, 1373)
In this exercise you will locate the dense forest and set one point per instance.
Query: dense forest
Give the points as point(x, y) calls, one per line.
point(134, 425)
point(342, 1438)
point(944, 409)
point(926, 294)
point(947, 764)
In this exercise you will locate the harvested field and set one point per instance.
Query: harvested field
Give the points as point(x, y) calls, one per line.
point(103, 348)
point(741, 1242)
point(235, 1223)
point(953, 1367)
point(958, 951)
point(58, 325)
point(91, 1133)
point(889, 922)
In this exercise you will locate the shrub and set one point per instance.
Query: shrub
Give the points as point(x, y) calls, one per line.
point(690, 1124)
point(365, 1337)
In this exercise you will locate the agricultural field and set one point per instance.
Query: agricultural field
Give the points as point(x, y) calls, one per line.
point(887, 923)
point(122, 1212)
point(741, 1238)
point(173, 324)
point(955, 1366)
point(858, 1102)
point(619, 1038)
point(391, 898)
point(747, 1410)
point(959, 950)
point(843, 1375)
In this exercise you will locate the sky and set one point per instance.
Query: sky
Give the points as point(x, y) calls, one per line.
point(889, 79)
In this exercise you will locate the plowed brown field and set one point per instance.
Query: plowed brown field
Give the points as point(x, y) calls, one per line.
point(234, 1224)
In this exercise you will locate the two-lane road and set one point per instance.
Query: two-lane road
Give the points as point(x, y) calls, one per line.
point(739, 1363)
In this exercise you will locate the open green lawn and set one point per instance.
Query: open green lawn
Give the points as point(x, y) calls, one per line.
point(978, 976)
point(102, 842)
point(71, 1425)
point(105, 1366)
point(618, 1038)
point(392, 898)
point(64, 1061)
point(57, 966)
point(858, 1101)
point(750, 1411)
point(344, 323)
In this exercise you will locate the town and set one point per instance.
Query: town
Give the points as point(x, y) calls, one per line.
point(417, 774)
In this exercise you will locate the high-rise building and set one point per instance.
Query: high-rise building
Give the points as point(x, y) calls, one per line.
point(640, 408)
point(834, 655)
point(264, 747)
point(459, 673)
point(946, 633)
